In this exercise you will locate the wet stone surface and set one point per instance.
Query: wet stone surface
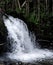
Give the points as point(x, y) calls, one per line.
point(44, 62)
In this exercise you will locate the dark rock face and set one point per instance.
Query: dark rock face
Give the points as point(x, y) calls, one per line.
point(3, 36)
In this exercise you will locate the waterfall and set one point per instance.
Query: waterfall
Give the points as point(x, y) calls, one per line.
point(19, 35)
point(23, 43)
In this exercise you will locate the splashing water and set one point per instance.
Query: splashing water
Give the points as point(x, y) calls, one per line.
point(23, 48)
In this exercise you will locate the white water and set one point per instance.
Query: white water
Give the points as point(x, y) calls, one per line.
point(23, 48)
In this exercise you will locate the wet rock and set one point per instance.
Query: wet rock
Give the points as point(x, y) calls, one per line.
point(2, 63)
point(3, 36)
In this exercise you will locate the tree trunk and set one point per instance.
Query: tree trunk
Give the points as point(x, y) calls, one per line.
point(19, 4)
point(13, 5)
point(34, 5)
point(27, 7)
point(38, 10)
point(50, 6)
point(46, 5)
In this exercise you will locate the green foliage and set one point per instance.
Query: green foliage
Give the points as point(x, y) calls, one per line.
point(18, 10)
point(32, 18)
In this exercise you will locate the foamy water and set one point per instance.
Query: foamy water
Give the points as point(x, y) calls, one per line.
point(23, 46)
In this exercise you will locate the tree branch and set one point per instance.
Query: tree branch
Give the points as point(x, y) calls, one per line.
point(23, 3)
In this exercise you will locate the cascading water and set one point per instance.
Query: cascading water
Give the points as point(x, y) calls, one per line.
point(18, 34)
point(23, 48)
